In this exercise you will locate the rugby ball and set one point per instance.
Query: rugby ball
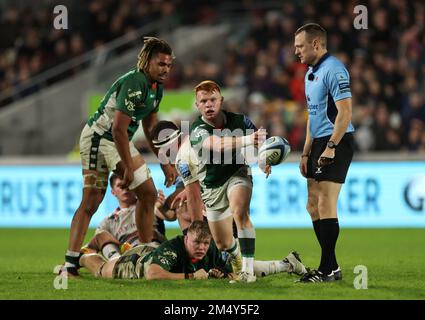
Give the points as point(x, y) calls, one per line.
point(274, 150)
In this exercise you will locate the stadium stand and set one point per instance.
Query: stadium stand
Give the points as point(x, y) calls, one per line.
point(386, 61)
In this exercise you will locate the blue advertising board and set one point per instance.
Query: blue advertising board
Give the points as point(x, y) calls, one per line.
point(376, 194)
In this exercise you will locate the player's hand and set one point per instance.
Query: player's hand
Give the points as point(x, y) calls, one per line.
point(326, 158)
point(303, 166)
point(216, 274)
point(232, 276)
point(201, 274)
point(160, 200)
point(127, 178)
point(170, 174)
point(267, 169)
point(179, 200)
point(258, 137)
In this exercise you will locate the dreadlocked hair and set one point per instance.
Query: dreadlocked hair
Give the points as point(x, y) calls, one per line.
point(151, 47)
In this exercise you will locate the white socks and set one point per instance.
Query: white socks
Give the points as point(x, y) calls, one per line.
point(110, 251)
point(264, 268)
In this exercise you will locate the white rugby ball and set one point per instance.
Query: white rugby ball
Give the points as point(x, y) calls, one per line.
point(274, 150)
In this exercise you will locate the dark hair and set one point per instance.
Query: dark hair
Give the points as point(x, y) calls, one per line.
point(200, 230)
point(113, 178)
point(164, 132)
point(151, 47)
point(313, 30)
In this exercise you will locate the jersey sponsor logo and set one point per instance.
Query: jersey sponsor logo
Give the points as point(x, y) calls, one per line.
point(168, 257)
point(134, 94)
point(343, 82)
point(198, 135)
point(129, 105)
point(344, 87)
point(312, 109)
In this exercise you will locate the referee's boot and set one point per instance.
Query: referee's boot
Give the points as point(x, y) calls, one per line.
point(337, 274)
point(317, 276)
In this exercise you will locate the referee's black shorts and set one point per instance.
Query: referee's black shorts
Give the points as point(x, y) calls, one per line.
point(337, 171)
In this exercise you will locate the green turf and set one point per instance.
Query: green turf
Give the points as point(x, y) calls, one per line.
point(394, 258)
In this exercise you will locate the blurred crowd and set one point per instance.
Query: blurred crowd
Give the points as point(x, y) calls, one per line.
point(386, 64)
point(386, 61)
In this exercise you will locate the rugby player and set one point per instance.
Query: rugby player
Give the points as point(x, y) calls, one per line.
point(105, 145)
point(190, 256)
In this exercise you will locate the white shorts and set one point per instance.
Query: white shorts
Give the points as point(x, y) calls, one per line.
point(217, 199)
point(98, 153)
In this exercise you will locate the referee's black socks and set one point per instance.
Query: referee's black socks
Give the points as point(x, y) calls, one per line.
point(329, 231)
point(316, 227)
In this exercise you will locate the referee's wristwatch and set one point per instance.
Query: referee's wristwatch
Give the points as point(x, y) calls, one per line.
point(331, 144)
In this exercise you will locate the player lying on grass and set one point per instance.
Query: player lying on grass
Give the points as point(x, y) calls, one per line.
point(193, 256)
point(118, 232)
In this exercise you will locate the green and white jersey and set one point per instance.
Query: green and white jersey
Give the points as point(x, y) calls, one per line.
point(132, 94)
point(172, 256)
point(215, 168)
point(187, 164)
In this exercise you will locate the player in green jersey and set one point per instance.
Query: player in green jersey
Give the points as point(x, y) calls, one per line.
point(193, 256)
point(218, 137)
point(184, 257)
point(105, 145)
point(213, 153)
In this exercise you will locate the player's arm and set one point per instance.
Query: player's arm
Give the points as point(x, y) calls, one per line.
point(338, 83)
point(195, 205)
point(220, 144)
point(308, 140)
point(166, 211)
point(192, 195)
point(342, 120)
point(306, 150)
point(156, 272)
point(124, 110)
point(148, 124)
point(119, 132)
point(192, 189)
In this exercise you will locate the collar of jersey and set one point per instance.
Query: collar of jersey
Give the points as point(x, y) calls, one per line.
point(323, 58)
point(153, 85)
point(209, 123)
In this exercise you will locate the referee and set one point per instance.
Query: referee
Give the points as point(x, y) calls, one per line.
point(328, 147)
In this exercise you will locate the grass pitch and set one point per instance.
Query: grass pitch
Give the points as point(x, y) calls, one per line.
point(395, 260)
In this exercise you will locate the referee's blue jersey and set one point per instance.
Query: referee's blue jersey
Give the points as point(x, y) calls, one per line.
point(325, 83)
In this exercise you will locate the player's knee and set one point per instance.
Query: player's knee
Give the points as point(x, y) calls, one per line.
point(240, 214)
point(223, 245)
point(312, 209)
point(90, 208)
point(104, 236)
